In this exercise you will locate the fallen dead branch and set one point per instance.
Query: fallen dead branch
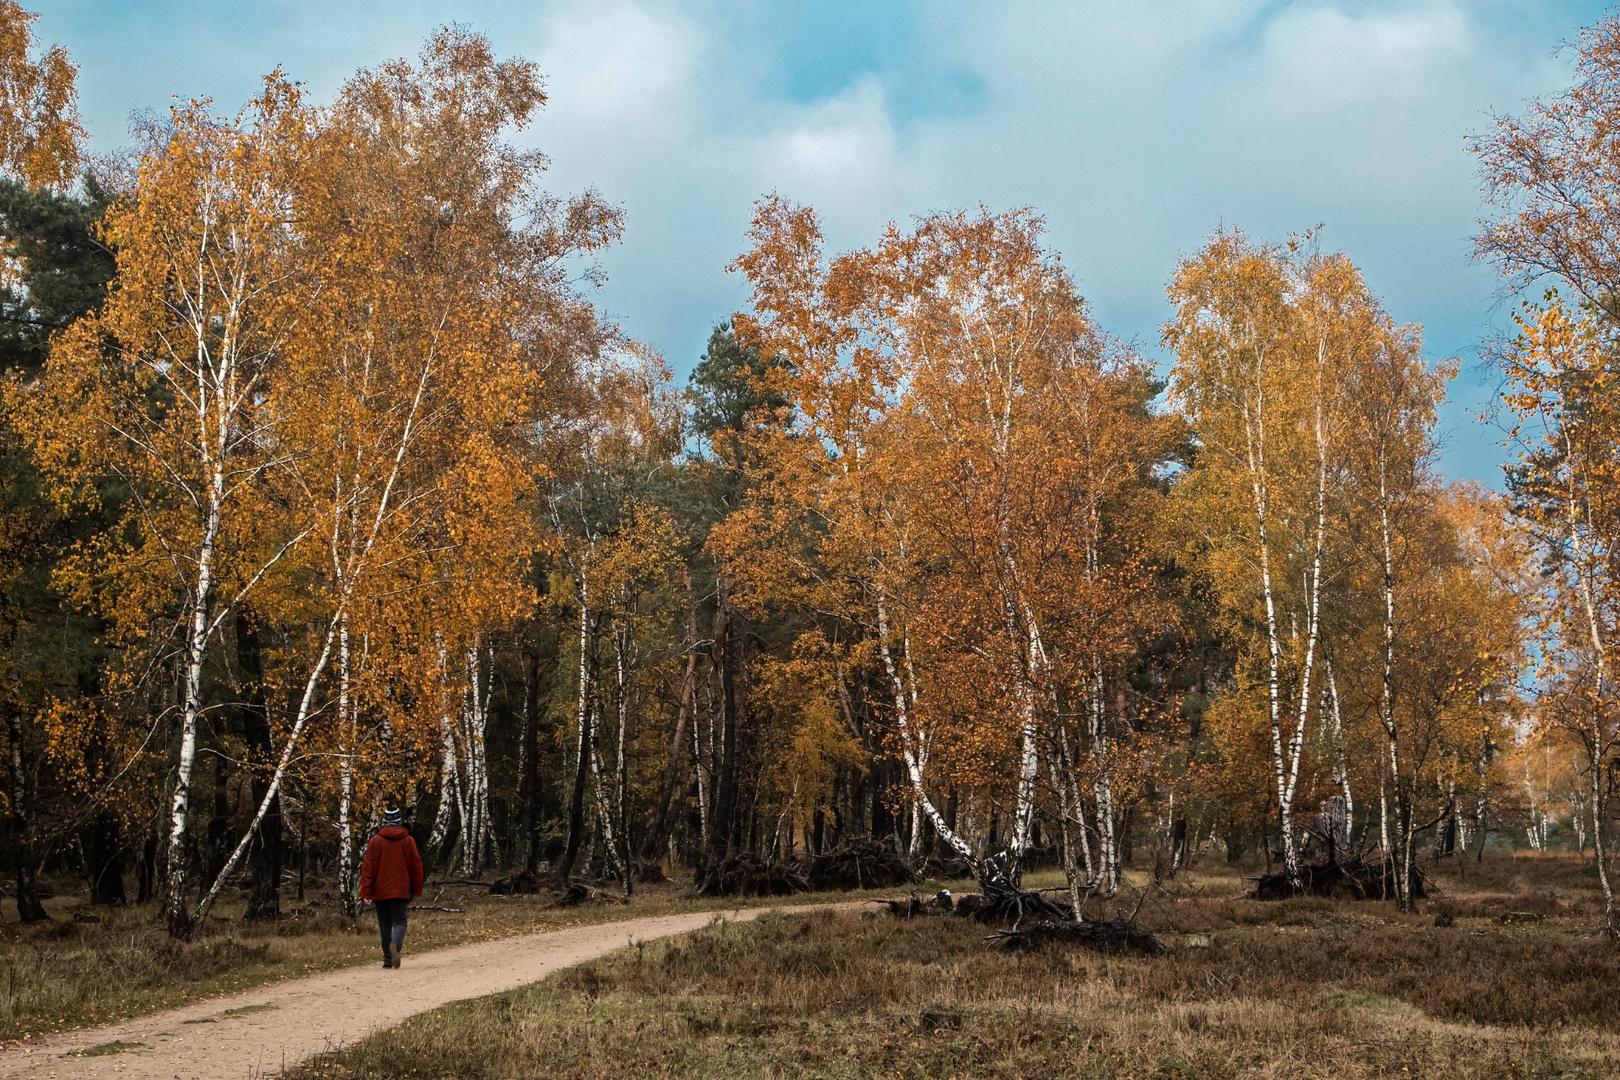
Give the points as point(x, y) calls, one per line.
point(913, 907)
point(577, 893)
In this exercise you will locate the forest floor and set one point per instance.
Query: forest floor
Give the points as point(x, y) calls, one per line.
point(93, 965)
point(264, 1031)
point(1301, 988)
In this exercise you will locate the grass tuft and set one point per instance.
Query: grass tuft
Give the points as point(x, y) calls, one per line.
point(115, 1047)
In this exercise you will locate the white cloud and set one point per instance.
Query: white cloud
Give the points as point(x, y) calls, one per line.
point(1377, 54)
point(619, 66)
point(838, 149)
point(1134, 127)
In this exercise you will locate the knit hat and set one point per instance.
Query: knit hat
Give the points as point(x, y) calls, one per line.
point(392, 816)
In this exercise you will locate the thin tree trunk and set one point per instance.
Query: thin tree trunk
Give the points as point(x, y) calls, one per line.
point(1482, 808)
point(604, 809)
point(730, 637)
point(1071, 819)
point(904, 699)
point(29, 906)
point(1313, 627)
point(1108, 847)
point(1254, 431)
point(104, 859)
point(450, 783)
point(658, 837)
point(584, 739)
point(476, 836)
point(531, 760)
point(305, 711)
point(1598, 733)
point(1383, 826)
point(264, 899)
point(1341, 767)
point(1403, 855)
point(347, 871)
point(622, 771)
point(200, 606)
point(701, 773)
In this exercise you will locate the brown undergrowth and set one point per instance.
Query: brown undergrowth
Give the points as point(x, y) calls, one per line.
point(70, 973)
point(1302, 988)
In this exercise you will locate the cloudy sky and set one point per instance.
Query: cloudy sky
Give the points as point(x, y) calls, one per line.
point(1134, 127)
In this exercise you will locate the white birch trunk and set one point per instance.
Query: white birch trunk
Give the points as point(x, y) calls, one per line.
point(1598, 734)
point(1341, 766)
point(903, 699)
point(701, 775)
point(1254, 432)
point(1107, 880)
point(1066, 778)
point(474, 804)
point(305, 712)
point(604, 810)
point(346, 863)
point(216, 409)
point(1057, 765)
point(191, 711)
point(621, 794)
point(449, 770)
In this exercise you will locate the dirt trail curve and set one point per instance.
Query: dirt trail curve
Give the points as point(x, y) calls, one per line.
point(273, 1027)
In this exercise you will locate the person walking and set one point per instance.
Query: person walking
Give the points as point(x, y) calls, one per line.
point(390, 878)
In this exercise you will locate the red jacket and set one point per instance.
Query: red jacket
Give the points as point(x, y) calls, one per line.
point(393, 867)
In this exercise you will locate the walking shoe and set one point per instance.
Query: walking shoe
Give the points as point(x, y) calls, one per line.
point(389, 962)
point(393, 955)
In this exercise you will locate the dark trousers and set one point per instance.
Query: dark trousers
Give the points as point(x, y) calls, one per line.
point(391, 921)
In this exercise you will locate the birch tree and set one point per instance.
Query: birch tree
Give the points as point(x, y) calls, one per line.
point(1258, 334)
point(164, 389)
point(1566, 490)
point(965, 436)
point(1550, 181)
point(41, 139)
point(1393, 398)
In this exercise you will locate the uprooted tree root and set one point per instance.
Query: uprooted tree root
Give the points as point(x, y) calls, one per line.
point(854, 864)
point(1114, 935)
point(649, 872)
point(857, 864)
point(1359, 879)
point(749, 875)
point(1055, 922)
point(573, 895)
point(521, 883)
point(993, 905)
point(1000, 903)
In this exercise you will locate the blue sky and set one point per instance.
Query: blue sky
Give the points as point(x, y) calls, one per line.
point(1135, 127)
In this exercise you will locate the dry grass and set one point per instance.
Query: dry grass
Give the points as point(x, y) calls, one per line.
point(67, 973)
point(1305, 988)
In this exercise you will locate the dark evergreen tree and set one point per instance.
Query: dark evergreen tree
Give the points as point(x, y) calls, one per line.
point(58, 272)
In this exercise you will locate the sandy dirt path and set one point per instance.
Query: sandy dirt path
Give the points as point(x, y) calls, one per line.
point(263, 1031)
